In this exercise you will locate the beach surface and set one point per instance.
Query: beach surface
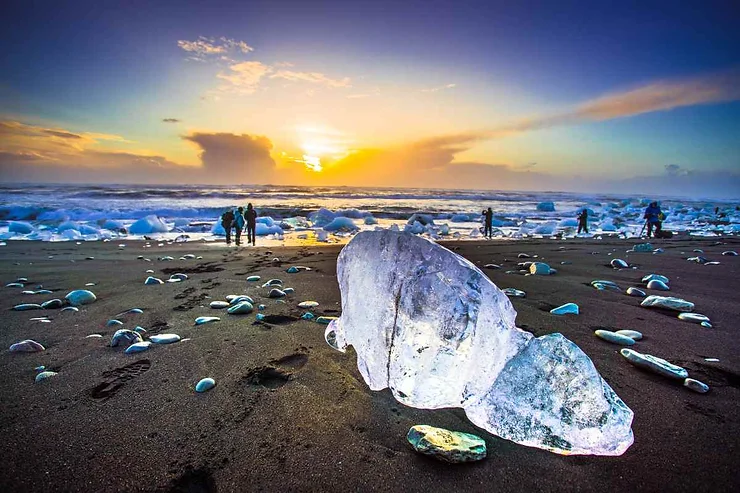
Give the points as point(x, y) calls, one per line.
point(289, 413)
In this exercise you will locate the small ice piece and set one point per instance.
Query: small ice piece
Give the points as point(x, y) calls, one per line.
point(93, 336)
point(614, 337)
point(164, 338)
point(260, 317)
point(219, 304)
point(44, 375)
point(325, 320)
point(522, 255)
point(27, 306)
point(179, 276)
point(140, 330)
point(667, 303)
point(134, 311)
point(292, 270)
point(618, 263)
point(239, 298)
point(603, 285)
point(696, 385)
point(276, 293)
point(655, 277)
point(138, 347)
point(261, 307)
point(730, 253)
point(433, 328)
point(697, 250)
point(70, 309)
point(632, 334)
point(14, 285)
point(80, 297)
point(272, 282)
point(711, 263)
point(566, 309)
point(205, 384)
point(253, 278)
point(288, 290)
point(51, 304)
point(153, 280)
point(696, 318)
point(706, 324)
point(308, 304)
point(27, 346)
point(206, 320)
point(643, 247)
point(113, 322)
point(636, 292)
point(448, 446)
point(40, 368)
point(241, 308)
point(658, 285)
point(125, 337)
point(712, 360)
point(514, 293)
point(308, 316)
point(654, 364)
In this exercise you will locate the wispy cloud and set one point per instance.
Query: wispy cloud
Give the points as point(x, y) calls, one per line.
point(313, 77)
point(244, 77)
point(440, 88)
point(204, 47)
point(171, 120)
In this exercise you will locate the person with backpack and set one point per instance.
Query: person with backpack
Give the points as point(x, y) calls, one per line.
point(227, 220)
point(654, 219)
point(251, 218)
point(239, 224)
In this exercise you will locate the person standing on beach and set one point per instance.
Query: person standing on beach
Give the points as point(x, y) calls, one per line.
point(583, 221)
point(488, 214)
point(251, 218)
point(653, 218)
point(239, 224)
point(227, 219)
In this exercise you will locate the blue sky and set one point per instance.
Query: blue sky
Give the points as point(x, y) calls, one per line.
point(384, 75)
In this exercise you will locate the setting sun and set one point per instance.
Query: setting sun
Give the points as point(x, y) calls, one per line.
point(313, 163)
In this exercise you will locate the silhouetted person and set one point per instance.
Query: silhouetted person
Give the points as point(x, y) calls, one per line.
point(227, 220)
point(653, 218)
point(583, 221)
point(251, 217)
point(239, 224)
point(488, 214)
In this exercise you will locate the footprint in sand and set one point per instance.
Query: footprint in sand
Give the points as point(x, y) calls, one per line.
point(278, 373)
point(113, 380)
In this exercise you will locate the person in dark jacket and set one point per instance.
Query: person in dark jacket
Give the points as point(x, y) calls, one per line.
point(227, 220)
point(583, 221)
point(251, 218)
point(488, 214)
point(239, 224)
point(654, 219)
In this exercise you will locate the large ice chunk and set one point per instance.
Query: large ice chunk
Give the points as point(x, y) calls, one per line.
point(432, 327)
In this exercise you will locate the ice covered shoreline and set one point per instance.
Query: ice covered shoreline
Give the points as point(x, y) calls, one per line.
point(299, 214)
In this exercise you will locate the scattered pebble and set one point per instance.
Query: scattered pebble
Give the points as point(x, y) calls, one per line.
point(614, 337)
point(153, 280)
point(696, 318)
point(253, 278)
point(288, 290)
point(138, 347)
point(80, 297)
point(658, 285)
point(654, 364)
point(40, 368)
point(276, 293)
point(219, 304)
point(238, 299)
point(179, 276)
point(93, 336)
point(205, 384)
point(730, 253)
point(308, 316)
point(70, 309)
point(712, 360)
point(51, 304)
point(272, 282)
point(655, 277)
point(632, 334)
point(27, 346)
point(308, 304)
point(140, 330)
point(44, 375)
point(27, 306)
point(292, 270)
point(618, 263)
point(206, 320)
point(113, 322)
point(668, 303)
point(603, 285)
point(568, 308)
point(491, 266)
point(448, 446)
point(636, 292)
point(241, 308)
point(522, 255)
point(707, 325)
point(164, 338)
point(14, 285)
point(696, 385)
point(514, 293)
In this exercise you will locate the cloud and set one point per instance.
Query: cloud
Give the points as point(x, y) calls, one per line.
point(313, 77)
point(171, 120)
point(234, 158)
point(204, 47)
point(244, 77)
point(440, 88)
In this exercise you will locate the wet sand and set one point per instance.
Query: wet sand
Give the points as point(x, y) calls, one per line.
point(291, 414)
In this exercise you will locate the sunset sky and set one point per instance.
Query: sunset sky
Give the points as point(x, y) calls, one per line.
point(491, 95)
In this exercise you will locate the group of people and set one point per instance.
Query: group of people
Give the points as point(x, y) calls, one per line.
point(238, 219)
point(653, 216)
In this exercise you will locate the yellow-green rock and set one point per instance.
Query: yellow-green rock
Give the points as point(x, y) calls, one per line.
point(446, 445)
